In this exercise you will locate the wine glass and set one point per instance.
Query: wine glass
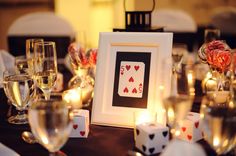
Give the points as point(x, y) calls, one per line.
point(178, 51)
point(180, 100)
point(24, 64)
point(19, 88)
point(45, 66)
point(51, 122)
point(211, 34)
point(219, 124)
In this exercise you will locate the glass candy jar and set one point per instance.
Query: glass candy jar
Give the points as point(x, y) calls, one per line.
point(83, 80)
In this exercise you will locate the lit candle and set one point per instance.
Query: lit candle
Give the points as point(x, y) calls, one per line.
point(73, 97)
point(144, 117)
point(219, 96)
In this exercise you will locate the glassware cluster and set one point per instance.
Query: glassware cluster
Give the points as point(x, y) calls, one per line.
point(49, 117)
point(218, 107)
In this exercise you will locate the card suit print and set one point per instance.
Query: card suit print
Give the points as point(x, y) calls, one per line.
point(127, 67)
point(183, 129)
point(131, 79)
point(137, 131)
point(189, 137)
point(165, 133)
point(122, 70)
point(144, 148)
point(134, 90)
point(75, 126)
point(136, 68)
point(196, 124)
point(82, 133)
point(151, 136)
point(163, 146)
point(151, 150)
point(126, 90)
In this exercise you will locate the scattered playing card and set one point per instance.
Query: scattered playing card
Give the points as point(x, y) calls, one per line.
point(131, 79)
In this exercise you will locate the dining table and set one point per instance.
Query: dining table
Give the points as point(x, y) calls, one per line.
point(101, 141)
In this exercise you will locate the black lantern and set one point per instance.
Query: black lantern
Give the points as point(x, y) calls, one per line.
point(138, 19)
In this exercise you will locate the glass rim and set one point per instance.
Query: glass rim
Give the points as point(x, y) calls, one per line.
point(45, 43)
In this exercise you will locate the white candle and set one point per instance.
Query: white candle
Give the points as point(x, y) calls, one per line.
point(73, 97)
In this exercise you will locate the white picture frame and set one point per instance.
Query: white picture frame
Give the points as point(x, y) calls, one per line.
point(113, 48)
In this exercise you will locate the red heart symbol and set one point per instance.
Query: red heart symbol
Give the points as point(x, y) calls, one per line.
point(189, 137)
point(131, 79)
point(136, 67)
point(82, 133)
point(75, 126)
point(134, 90)
point(127, 67)
point(196, 124)
point(126, 90)
point(183, 129)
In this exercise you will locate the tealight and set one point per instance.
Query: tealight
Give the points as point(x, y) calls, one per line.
point(73, 97)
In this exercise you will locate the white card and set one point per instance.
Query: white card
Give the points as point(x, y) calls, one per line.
point(131, 79)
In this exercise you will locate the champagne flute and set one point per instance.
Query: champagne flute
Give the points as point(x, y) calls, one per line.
point(219, 124)
point(51, 122)
point(45, 66)
point(30, 45)
point(19, 88)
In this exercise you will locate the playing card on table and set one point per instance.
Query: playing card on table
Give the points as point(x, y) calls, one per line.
point(131, 79)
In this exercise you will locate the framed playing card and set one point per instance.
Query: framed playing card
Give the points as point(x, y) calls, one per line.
point(129, 74)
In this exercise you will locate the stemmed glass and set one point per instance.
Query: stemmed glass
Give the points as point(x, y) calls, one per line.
point(179, 102)
point(219, 124)
point(45, 66)
point(19, 88)
point(30, 45)
point(51, 122)
point(24, 64)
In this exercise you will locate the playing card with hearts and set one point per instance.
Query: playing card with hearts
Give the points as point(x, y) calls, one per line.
point(151, 138)
point(80, 124)
point(191, 129)
point(131, 79)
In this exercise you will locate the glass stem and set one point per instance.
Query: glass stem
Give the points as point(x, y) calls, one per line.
point(174, 90)
point(20, 113)
point(52, 154)
point(47, 94)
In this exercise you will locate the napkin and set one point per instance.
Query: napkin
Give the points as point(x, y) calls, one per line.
point(180, 148)
point(4, 150)
point(7, 61)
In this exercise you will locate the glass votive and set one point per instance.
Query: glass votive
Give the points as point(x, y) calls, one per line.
point(73, 97)
point(144, 117)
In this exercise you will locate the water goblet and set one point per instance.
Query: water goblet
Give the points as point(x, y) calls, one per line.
point(24, 64)
point(45, 66)
point(19, 88)
point(219, 124)
point(51, 122)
